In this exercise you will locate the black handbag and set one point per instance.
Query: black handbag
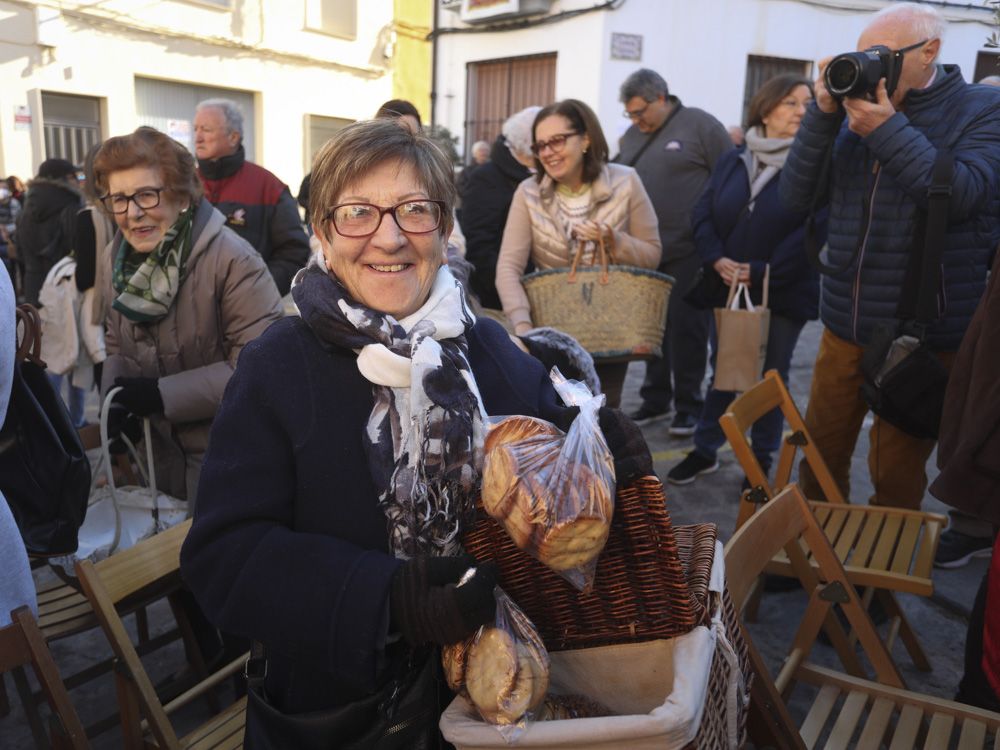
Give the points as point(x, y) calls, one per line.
point(44, 471)
point(707, 290)
point(401, 715)
point(904, 381)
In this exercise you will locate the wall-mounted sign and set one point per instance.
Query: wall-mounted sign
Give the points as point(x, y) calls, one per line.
point(180, 131)
point(626, 46)
point(22, 117)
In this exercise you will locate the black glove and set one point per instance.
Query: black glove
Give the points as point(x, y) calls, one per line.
point(425, 605)
point(624, 438)
point(121, 422)
point(98, 371)
point(627, 444)
point(140, 396)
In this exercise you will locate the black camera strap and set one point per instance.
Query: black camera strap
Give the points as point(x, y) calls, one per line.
point(918, 297)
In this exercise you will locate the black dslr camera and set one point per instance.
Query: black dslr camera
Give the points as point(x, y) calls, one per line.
point(856, 74)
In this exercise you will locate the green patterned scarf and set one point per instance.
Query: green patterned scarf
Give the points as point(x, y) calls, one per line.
point(146, 283)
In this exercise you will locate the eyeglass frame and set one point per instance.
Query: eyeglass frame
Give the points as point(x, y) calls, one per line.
point(131, 198)
point(637, 115)
point(538, 146)
point(382, 211)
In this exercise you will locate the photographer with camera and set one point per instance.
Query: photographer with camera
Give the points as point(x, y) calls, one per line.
point(902, 108)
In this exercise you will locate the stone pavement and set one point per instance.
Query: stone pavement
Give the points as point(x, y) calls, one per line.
point(711, 498)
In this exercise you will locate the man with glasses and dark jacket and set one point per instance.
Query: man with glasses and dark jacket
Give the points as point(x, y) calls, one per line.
point(884, 149)
point(673, 148)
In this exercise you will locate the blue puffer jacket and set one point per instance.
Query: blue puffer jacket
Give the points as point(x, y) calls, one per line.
point(891, 167)
point(770, 234)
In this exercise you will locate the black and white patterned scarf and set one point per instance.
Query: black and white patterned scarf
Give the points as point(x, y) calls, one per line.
point(424, 437)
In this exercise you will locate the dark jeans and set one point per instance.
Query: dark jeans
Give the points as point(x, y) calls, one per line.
point(678, 375)
point(612, 377)
point(765, 434)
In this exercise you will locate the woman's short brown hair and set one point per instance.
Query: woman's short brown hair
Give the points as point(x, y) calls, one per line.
point(770, 94)
point(583, 120)
point(148, 147)
point(359, 148)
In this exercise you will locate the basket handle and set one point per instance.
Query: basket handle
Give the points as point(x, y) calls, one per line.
point(30, 347)
point(607, 254)
point(571, 279)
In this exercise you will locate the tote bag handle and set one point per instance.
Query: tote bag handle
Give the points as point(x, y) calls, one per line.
point(735, 287)
point(148, 474)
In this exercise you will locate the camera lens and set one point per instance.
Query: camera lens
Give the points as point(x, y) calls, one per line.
point(842, 75)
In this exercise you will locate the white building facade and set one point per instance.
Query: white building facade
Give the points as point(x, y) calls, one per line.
point(74, 73)
point(496, 56)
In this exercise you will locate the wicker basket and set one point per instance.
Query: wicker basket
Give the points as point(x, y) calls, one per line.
point(617, 313)
point(642, 589)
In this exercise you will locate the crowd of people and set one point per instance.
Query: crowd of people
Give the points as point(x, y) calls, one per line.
point(413, 327)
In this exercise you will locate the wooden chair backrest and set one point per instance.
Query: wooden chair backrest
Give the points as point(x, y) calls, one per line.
point(22, 643)
point(751, 406)
point(785, 522)
point(154, 562)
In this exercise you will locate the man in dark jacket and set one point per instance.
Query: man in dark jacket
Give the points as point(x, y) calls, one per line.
point(47, 222)
point(486, 195)
point(881, 170)
point(257, 205)
point(674, 149)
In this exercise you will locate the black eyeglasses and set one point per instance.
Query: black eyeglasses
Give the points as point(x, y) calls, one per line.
point(557, 143)
point(364, 219)
point(637, 114)
point(145, 198)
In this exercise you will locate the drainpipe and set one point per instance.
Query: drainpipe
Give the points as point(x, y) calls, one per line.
point(434, 60)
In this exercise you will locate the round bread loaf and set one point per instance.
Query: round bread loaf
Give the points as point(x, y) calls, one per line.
point(453, 658)
point(491, 671)
point(517, 428)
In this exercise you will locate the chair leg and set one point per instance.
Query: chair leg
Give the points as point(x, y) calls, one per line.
point(4, 700)
point(30, 707)
point(906, 634)
point(753, 601)
point(142, 625)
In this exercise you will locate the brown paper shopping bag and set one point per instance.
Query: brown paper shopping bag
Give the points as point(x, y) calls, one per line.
point(742, 338)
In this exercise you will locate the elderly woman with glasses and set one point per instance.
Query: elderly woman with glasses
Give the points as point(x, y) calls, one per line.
point(347, 453)
point(187, 294)
point(575, 197)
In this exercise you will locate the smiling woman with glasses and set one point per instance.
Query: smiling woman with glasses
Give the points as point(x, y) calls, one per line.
point(186, 295)
point(348, 451)
point(576, 198)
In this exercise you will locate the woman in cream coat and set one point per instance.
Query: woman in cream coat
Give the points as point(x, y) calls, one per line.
point(575, 197)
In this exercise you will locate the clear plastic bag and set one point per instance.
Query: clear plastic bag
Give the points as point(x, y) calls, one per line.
point(502, 670)
point(554, 493)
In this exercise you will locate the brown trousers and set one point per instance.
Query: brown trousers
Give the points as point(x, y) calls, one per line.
point(896, 461)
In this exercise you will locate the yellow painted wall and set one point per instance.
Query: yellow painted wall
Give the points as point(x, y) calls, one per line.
point(411, 61)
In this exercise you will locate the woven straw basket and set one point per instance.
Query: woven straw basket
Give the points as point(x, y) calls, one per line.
point(650, 582)
point(617, 313)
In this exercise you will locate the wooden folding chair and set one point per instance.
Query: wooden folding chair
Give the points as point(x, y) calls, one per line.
point(846, 711)
point(153, 564)
point(21, 644)
point(884, 549)
point(63, 611)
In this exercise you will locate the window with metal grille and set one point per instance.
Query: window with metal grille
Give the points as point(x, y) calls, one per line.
point(760, 69)
point(72, 124)
point(335, 17)
point(496, 89)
